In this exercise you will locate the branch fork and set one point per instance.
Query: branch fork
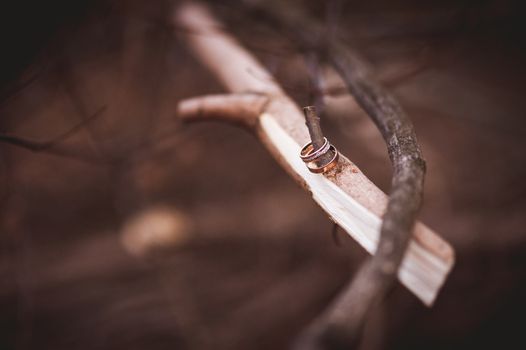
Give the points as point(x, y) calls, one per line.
point(348, 197)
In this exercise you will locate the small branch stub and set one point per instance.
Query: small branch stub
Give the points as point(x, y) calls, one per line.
point(319, 155)
point(316, 135)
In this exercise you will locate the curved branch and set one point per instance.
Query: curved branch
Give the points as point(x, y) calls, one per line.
point(55, 146)
point(340, 327)
point(377, 275)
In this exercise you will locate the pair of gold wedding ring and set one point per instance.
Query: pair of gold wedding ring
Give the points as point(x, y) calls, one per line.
point(311, 157)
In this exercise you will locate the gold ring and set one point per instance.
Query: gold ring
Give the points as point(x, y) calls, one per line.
point(317, 169)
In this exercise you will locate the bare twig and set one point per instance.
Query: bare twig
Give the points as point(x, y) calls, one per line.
point(316, 135)
point(340, 326)
point(54, 146)
point(240, 109)
point(313, 125)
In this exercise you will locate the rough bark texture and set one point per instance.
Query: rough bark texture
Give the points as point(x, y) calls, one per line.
point(313, 124)
point(55, 145)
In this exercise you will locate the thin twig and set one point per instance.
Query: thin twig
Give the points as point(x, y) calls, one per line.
point(313, 124)
point(54, 145)
point(341, 325)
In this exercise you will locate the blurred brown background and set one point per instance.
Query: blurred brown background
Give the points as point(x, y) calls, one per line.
point(134, 233)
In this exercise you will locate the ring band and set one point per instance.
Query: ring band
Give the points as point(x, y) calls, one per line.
point(307, 153)
point(317, 169)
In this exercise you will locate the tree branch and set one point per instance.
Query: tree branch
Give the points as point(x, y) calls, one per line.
point(348, 197)
point(55, 146)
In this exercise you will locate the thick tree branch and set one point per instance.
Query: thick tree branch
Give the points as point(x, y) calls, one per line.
point(347, 196)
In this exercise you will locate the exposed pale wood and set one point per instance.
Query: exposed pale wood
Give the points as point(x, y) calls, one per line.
point(346, 194)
